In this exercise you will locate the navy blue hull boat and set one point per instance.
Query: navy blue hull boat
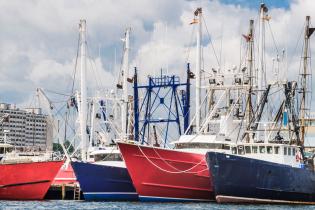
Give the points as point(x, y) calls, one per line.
point(239, 179)
point(104, 182)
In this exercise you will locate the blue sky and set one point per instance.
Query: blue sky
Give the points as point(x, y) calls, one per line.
point(255, 3)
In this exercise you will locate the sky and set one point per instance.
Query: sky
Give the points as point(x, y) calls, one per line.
point(38, 39)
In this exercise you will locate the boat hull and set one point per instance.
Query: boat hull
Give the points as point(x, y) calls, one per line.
point(101, 182)
point(27, 181)
point(65, 176)
point(245, 180)
point(167, 175)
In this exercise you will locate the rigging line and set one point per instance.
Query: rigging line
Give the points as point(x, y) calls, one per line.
point(91, 62)
point(66, 121)
point(94, 72)
point(241, 125)
point(170, 136)
point(216, 57)
point(276, 91)
point(190, 43)
point(273, 38)
point(296, 45)
point(57, 93)
point(107, 155)
point(244, 58)
point(75, 65)
point(230, 112)
point(300, 75)
point(60, 101)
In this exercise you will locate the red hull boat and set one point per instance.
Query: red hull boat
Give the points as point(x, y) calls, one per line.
point(65, 176)
point(167, 175)
point(27, 181)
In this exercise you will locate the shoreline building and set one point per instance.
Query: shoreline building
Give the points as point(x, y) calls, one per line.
point(26, 129)
point(310, 133)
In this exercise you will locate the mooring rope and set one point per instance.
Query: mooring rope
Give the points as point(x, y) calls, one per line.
point(172, 172)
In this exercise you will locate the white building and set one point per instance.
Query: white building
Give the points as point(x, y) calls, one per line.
point(27, 128)
point(310, 132)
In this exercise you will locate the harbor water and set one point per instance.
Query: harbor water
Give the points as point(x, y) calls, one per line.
point(53, 204)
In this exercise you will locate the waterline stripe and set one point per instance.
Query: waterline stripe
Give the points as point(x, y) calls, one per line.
point(95, 193)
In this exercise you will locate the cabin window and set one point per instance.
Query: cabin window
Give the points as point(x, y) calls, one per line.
point(225, 147)
point(262, 149)
point(247, 150)
point(289, 151)
point(269, 149)
point(107, 157)
point(293, 151)
point(276, 150)
point(201, 145)
point(254, 149)
point(285, 151)
point(233, 150)
point(240, 150)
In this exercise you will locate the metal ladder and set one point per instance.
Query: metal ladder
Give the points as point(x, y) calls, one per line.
point(76, 192)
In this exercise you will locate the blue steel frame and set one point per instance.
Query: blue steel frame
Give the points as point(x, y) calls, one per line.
point(175, 105)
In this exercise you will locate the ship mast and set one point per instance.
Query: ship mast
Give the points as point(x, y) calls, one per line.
point(261, 74)
point(124, 107)
point(305, 75)
point(198, 13)
point(83, 97)
point(261, 47)
point(250, 40)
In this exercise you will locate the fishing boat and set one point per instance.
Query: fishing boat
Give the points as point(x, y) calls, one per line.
point(180, 173)
point(276, 170)
point(105, 179)
point(102, 174)
point(167, 175)
point(28, 180)
point(273, 174)
point(25, 176)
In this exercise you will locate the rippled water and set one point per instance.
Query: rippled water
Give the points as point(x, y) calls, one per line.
point(134, 205)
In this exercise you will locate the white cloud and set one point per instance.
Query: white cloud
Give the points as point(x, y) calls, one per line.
point(38, 38)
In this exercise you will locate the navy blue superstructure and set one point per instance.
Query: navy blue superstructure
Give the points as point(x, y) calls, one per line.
point(101, 182)
point(241, 179)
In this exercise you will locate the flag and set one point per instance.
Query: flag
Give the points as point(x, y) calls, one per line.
point(310, 31)
point(247, 37)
